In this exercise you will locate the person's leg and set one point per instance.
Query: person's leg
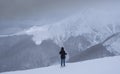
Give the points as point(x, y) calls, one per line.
point(61, 62)
point(64, 62)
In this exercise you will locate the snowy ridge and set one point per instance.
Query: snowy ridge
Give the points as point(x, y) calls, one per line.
point(86, 22)
point(61, 31)
point(14, 34)
point(96, 23)
point(109, 65)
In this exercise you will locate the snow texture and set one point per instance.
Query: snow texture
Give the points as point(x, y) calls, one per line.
point(109, 65)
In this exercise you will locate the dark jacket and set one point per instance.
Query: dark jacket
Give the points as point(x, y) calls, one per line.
point(62, 53)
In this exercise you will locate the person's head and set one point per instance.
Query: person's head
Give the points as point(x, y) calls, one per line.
point(62, 48)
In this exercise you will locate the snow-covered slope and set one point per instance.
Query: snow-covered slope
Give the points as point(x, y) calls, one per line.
point(109, 65)
point(20, 52)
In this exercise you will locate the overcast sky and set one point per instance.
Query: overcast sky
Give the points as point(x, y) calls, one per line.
point(36, 12)
point(39, 12)
point(34, 9)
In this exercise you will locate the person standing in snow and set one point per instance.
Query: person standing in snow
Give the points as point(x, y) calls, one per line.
point(63, 56)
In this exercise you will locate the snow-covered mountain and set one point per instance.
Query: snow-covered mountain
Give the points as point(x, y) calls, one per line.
point(39, 46)
point(93, 24)
point(89, 34)
point(109, 65)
